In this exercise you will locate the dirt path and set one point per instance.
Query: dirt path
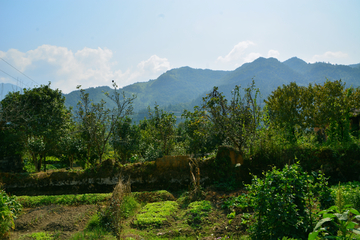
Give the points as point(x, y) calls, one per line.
point(61, 220)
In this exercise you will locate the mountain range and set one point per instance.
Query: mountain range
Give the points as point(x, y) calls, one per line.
point(183, 88)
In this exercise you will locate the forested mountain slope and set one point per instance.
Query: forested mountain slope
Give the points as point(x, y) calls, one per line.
point(184, 87)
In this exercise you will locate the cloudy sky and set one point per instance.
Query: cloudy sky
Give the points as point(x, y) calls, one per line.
point(89, 43)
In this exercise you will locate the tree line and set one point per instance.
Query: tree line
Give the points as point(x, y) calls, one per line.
point(36, 124)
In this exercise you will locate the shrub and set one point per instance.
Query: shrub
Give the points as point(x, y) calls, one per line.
point(282, 203)
point(9, 208)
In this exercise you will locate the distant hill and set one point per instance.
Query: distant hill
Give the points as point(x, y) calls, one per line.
point(183, 88)
point(5, 88)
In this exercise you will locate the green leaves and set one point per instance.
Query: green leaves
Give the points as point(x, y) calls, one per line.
point(282, 202)
point(334, 221)
point(236, 119)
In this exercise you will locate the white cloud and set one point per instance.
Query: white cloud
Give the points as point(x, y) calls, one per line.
point(241, 54)
point(329, 57)
point(251, 57)
point(273, 54)
point(87, 67)
point(237, 52)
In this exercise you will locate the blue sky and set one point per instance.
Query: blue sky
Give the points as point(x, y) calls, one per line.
point(89, 43)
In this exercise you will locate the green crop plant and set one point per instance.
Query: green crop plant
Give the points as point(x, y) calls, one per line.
point(36, 201)
point(155, 214)
point(197, 212)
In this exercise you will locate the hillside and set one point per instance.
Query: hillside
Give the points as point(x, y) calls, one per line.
point(184, 87)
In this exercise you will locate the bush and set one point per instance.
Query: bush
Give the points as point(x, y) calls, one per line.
point(282, 202)
point(9, 208)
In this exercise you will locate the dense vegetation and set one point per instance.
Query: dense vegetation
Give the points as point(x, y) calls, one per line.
point(301, 130)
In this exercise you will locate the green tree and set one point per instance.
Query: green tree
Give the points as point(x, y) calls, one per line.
point(199, 132)
point(126, 138)
point(237, 119)
point(97, 122)
point(158, 134)
point(327, 107)
point(163, 124)
point(333, 104)
point(43, 123)
point(286, 106)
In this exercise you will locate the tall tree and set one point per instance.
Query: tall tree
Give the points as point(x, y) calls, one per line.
point(43, 122)
point(199, 131)
point(236, 119)
point(98, 122)
point(326, 107)
point(286, 107)
point(126, 138)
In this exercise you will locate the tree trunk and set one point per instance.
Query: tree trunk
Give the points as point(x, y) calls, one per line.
point(44, 157)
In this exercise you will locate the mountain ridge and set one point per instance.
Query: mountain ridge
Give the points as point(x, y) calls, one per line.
point(184, 87)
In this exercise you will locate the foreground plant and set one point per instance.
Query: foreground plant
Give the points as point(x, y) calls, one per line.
point(282, 202)
point(9, 208)
point(336, 224)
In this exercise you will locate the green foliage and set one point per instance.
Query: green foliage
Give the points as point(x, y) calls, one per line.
point(287, 106)
point(282, 203)
point(158, 134)
point(199, 132)
point(236, 119)
point(39, 236)
point(79, 199)
point(41, 122)
point(350, 193)
point(337, 223)
point(154, 196)
point(197, 212)
point(97, 122)
point(155, 214)
point(326, 107)
point(241, 203)
point(126, 139)
point(9, 208)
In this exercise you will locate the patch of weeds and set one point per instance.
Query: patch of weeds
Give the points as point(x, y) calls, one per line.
point(239, 204)
point(155, 196)
point(129, 206)
point(155, 214)
point(350, 193)
point(93, 230)
point(94, 222)
point(196, 213)
point(95, 234)
point(38, 236)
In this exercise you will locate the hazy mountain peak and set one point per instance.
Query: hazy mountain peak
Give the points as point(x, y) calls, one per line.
point(297, 64)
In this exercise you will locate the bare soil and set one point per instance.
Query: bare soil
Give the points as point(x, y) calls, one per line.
point(63, 220)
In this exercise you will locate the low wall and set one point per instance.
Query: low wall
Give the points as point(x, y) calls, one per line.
point(167, 173)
